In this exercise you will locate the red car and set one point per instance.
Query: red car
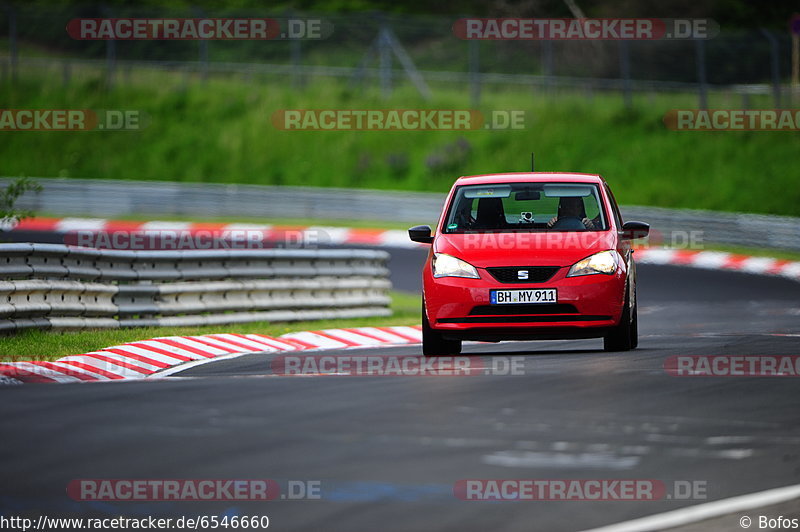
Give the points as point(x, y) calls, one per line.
point(527, 256)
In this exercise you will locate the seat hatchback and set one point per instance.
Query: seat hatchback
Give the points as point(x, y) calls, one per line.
point(527, 256)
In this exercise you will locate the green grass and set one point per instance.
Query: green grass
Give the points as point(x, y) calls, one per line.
point(221, 131)
point(48, 345)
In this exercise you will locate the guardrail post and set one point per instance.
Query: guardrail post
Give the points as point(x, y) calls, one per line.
point(202, 48)
point(385, 59)
point(774, 55)
point(13, 51)
point(702, 88)
point(547, 64)
point(296, 55)
point(66, 72)
point(474, 73)
point(625, 72)
point(111, 56)
point(297, 58)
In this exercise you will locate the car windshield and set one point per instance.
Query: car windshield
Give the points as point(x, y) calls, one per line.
point(526, 207)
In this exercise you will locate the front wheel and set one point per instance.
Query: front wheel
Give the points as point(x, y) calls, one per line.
point(624, 336)
point(433, 343)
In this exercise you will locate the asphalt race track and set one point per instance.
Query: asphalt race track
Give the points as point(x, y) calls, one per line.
point(388, 450)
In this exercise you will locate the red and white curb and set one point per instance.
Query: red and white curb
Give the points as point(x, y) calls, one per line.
point(290, 234)
point(713, 260)
point(137, 360)
point(718, 260)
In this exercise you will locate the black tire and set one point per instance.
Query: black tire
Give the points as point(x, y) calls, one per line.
point(433, 344)
point(624, 336)
point(635, 323)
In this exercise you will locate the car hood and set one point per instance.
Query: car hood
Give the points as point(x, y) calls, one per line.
point(485, 250)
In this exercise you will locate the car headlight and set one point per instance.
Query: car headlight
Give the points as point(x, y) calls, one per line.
point(603, 262)
point(449, 266)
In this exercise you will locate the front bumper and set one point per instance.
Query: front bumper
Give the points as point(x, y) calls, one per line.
point(586, 307)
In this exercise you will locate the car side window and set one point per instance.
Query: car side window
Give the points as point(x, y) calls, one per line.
point(614, 207)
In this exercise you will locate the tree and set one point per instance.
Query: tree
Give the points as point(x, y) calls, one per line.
point(9, 214)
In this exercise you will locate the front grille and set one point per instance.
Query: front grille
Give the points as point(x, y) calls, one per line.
point(528, 310)
point(536, 274)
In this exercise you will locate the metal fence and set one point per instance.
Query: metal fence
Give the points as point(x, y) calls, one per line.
point(392, 50)
point(63, 287)
point(86, 197)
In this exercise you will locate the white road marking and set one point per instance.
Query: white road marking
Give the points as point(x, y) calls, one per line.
point(560, 460)
point(702, 512)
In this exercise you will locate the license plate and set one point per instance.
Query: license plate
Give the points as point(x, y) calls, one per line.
point(507, 297)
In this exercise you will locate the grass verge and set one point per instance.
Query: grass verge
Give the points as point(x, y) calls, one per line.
point(222, 131)
point(49, 345)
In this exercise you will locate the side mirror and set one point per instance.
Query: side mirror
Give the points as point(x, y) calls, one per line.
point(634, 230)
point(421, 234)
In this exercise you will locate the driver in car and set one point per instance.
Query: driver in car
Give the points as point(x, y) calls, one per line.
point(569, 207)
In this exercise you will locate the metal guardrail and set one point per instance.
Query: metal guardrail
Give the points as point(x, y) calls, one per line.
point(107, 198)
point(64, 287)
point(737, 229)
point(89, 197)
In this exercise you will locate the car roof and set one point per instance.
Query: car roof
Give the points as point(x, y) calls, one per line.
point(529, 177)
